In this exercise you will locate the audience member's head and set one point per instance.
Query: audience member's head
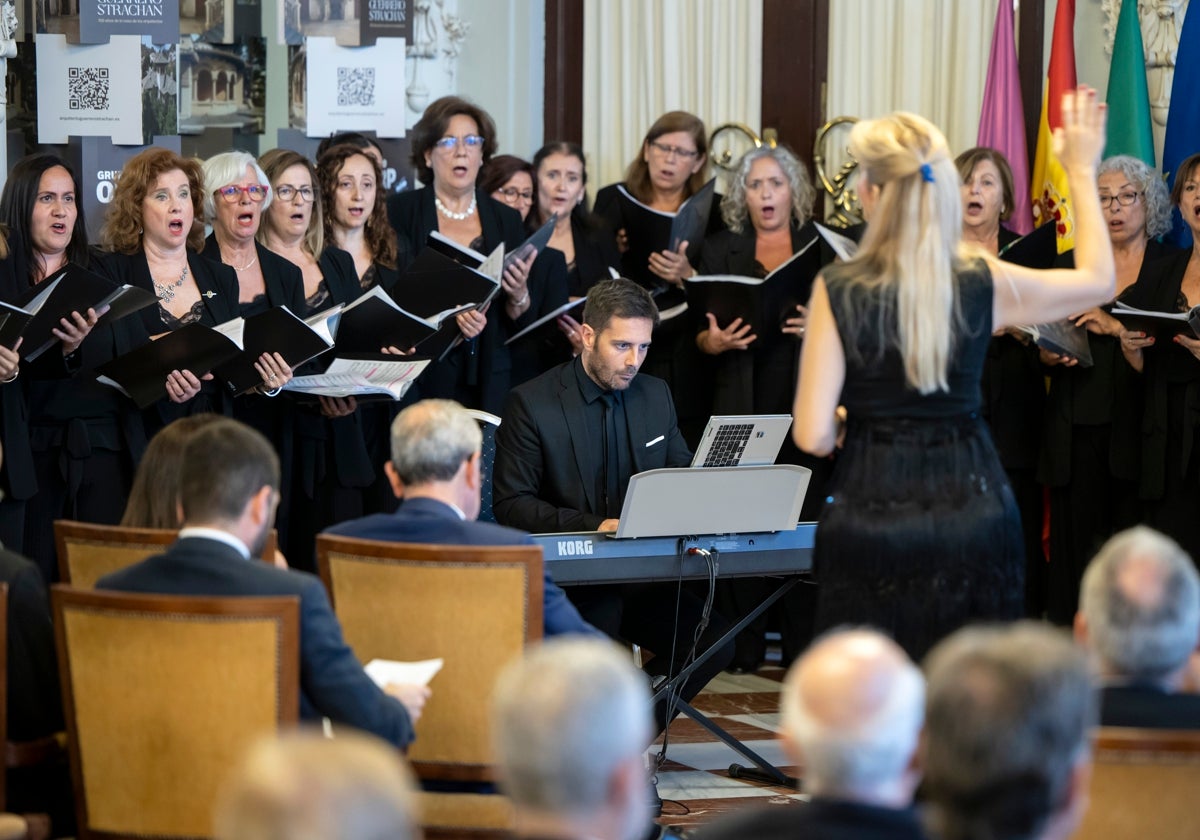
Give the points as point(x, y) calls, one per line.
point(303, 786)
point(229, 479)
point(1139, 607)
point(435, 452)
point(619, 317)
point(570, 722)
point(1006, 750)
point(852, 712)
point(154, 498)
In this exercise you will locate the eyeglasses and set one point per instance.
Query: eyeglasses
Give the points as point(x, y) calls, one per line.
point(514, 194)
point(1125, 199)
point(448, 144)
point(287, 192)
point(666, 151)
point(233, 193)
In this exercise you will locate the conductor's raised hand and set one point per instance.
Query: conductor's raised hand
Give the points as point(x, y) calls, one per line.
point(1079, 141)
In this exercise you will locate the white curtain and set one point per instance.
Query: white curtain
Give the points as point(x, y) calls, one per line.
point(645, 57)
point(925, 56)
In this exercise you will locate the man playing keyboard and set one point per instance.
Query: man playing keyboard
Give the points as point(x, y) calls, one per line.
point(569, 442)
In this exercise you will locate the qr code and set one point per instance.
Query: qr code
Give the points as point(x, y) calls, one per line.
point(356, 86)
point(87, 88)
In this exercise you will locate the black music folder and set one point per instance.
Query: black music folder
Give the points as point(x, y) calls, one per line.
point(537, 240)
point(436, 284)
point(72, 289)
point(275, 331)
point(374, 320)
point(546, 319)
point(1162, 325)
point(1062, 338)
point(13, 320)
point(1037, 249)
point(142, 374)
point(763, 302)
point(648, 231)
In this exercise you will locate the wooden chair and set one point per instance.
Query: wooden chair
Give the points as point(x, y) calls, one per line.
point(1143, 781)
point(88, 552)
point(477, 608)
point(162, 694)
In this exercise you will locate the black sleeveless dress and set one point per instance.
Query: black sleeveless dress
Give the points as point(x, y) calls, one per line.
point(920, 533)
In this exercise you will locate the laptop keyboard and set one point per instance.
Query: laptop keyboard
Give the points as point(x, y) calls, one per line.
point(728, 444)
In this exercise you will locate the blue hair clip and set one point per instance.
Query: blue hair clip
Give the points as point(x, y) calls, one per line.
point(926, 173)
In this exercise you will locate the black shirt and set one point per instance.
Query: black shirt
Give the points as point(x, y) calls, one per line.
point(611, 481)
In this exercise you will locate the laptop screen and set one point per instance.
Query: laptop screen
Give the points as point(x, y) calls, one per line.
point(742, 440)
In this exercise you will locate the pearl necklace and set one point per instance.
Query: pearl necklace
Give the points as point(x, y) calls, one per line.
point(166, 292)
point(450, 214)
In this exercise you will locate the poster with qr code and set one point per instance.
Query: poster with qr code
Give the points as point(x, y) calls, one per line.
point(354, 88)
point(89, 90)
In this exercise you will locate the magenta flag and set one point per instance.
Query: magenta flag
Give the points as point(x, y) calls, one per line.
point(1002, 122)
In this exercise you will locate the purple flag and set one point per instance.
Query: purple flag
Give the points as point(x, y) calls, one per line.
point(1002, 122)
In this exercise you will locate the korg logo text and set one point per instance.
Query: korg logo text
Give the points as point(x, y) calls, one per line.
point(574, 548)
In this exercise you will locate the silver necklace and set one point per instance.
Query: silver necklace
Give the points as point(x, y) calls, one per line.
point(166, 292)
point(450, 214)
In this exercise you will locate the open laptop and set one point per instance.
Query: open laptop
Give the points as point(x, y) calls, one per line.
point(742, 440)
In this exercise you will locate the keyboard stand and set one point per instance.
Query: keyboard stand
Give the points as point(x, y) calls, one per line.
point(774, 774)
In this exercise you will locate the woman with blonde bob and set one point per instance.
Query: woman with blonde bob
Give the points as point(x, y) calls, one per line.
point(920, 534)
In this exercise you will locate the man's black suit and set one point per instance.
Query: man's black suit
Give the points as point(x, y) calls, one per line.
point(820, 819)
point(332, 682)
point(542, 478)
point(34, 700)
point(544, 481)
point(424, 520)
point(1148, 707)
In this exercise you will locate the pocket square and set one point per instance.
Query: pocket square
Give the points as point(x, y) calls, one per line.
point(656, 440)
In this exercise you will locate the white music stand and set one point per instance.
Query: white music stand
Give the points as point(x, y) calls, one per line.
point(715, 500)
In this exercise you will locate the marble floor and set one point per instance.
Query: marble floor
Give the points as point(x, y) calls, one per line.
point(694, 782)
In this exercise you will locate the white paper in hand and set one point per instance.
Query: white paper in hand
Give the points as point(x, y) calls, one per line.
point(384, 671)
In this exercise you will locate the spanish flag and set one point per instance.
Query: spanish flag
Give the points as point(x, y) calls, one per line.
point(1051, 199)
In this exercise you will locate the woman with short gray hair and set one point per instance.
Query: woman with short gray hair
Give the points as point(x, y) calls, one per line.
point(1091, 440)
point(768, 211)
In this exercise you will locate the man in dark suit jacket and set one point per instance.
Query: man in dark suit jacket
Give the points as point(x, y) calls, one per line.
point(34, 700)
point(1139, 613)
point(852, 707)
point(570, 441)
point(228, 492)
point(435, 470)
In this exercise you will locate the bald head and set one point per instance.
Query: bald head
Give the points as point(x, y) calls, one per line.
point(1139, 606)
point(853, 708)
